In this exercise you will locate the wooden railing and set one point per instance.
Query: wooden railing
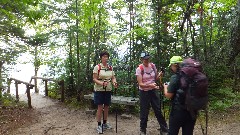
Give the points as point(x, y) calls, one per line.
point(28, 87)
point(60, 83)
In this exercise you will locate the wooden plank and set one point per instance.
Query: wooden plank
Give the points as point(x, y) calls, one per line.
point(118, 99)
point(44, 79)
point(19, 81)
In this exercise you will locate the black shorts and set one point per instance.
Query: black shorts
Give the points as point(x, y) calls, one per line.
point(102, 97)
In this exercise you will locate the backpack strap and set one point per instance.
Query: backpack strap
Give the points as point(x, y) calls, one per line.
point(141, 68)
point(152, 66)
point(110, 68)
point(99, 68)
point(154, 69)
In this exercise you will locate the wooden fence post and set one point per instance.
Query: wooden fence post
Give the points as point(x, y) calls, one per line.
point(16, 85)
point(61, 83)
point(46, 88)
point(29, 96)
point(9, 83)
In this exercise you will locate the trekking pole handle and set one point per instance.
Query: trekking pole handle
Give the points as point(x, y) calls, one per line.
point(104, 87)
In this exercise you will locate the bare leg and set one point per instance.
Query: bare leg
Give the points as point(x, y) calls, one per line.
point(106, 108)
point(99, 113)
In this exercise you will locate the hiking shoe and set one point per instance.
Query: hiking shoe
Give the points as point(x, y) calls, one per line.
point(142, 133)
point(164, 133)
point(107, 126)
point(99, 130)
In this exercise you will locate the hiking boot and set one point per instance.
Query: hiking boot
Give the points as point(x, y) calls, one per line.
point(99, 129)
point(107, 126)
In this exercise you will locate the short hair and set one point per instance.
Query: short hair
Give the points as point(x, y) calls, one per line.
point(104, 53)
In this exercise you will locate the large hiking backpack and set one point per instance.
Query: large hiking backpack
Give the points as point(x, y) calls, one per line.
point(195, 85)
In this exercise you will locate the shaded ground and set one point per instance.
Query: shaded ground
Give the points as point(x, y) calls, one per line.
point(12, 118)
point(51, 117)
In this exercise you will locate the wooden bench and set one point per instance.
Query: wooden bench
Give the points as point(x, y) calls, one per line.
point(129, 101)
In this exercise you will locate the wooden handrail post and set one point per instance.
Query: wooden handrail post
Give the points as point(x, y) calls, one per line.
point(46, 88)
point(29, 96)
point(16, 85)
point(61, 83)
point(9, 83)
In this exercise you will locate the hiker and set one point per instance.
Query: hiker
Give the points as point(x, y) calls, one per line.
point(179, 116)
point(103, 77)
point(148, 90)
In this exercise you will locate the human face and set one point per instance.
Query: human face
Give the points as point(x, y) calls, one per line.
point(174, 67)
point(145, 62)
point(104, 59)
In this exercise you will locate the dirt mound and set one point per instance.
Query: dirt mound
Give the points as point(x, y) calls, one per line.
point(12, 118)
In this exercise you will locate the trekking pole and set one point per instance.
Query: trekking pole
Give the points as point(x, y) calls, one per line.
point(104, 87)
point(115, 92)
point(206, 113)
point(162, 93)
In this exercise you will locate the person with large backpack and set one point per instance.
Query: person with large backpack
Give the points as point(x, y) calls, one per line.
point(104, 78)
point(188, 90)
point(148, 90)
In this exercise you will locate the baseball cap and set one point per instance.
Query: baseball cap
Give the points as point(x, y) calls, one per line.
point(175, 59)
point(145, 55)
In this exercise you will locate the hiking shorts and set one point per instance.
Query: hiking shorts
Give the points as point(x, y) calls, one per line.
point(102, 97)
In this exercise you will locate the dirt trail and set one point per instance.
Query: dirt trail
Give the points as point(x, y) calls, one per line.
point(54, 118)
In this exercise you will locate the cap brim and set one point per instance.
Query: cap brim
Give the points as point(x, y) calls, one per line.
point(146, 57)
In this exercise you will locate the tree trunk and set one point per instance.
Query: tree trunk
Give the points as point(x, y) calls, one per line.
point(78, 55)
point(71, 88)
point(158, 34)
point(89, 78)
point(1, 66)
point(130, 41)
point(235, 38)
point(203, 32)
point(36, 67)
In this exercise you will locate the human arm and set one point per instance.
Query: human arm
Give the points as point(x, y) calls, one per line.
point(114, 81)
point(142, 85)
point(166, 93)
point(171, 88)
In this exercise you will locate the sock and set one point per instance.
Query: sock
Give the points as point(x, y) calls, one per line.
point(104, 121)
point(99, 123)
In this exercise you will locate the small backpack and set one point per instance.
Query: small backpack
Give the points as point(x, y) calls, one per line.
point(99, 68)
point(195, 85)
point(152, 65)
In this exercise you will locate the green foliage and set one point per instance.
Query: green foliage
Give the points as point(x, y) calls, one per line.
point(8, 100)
point(125, 29)
point(223, 98)
point(54, 91)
